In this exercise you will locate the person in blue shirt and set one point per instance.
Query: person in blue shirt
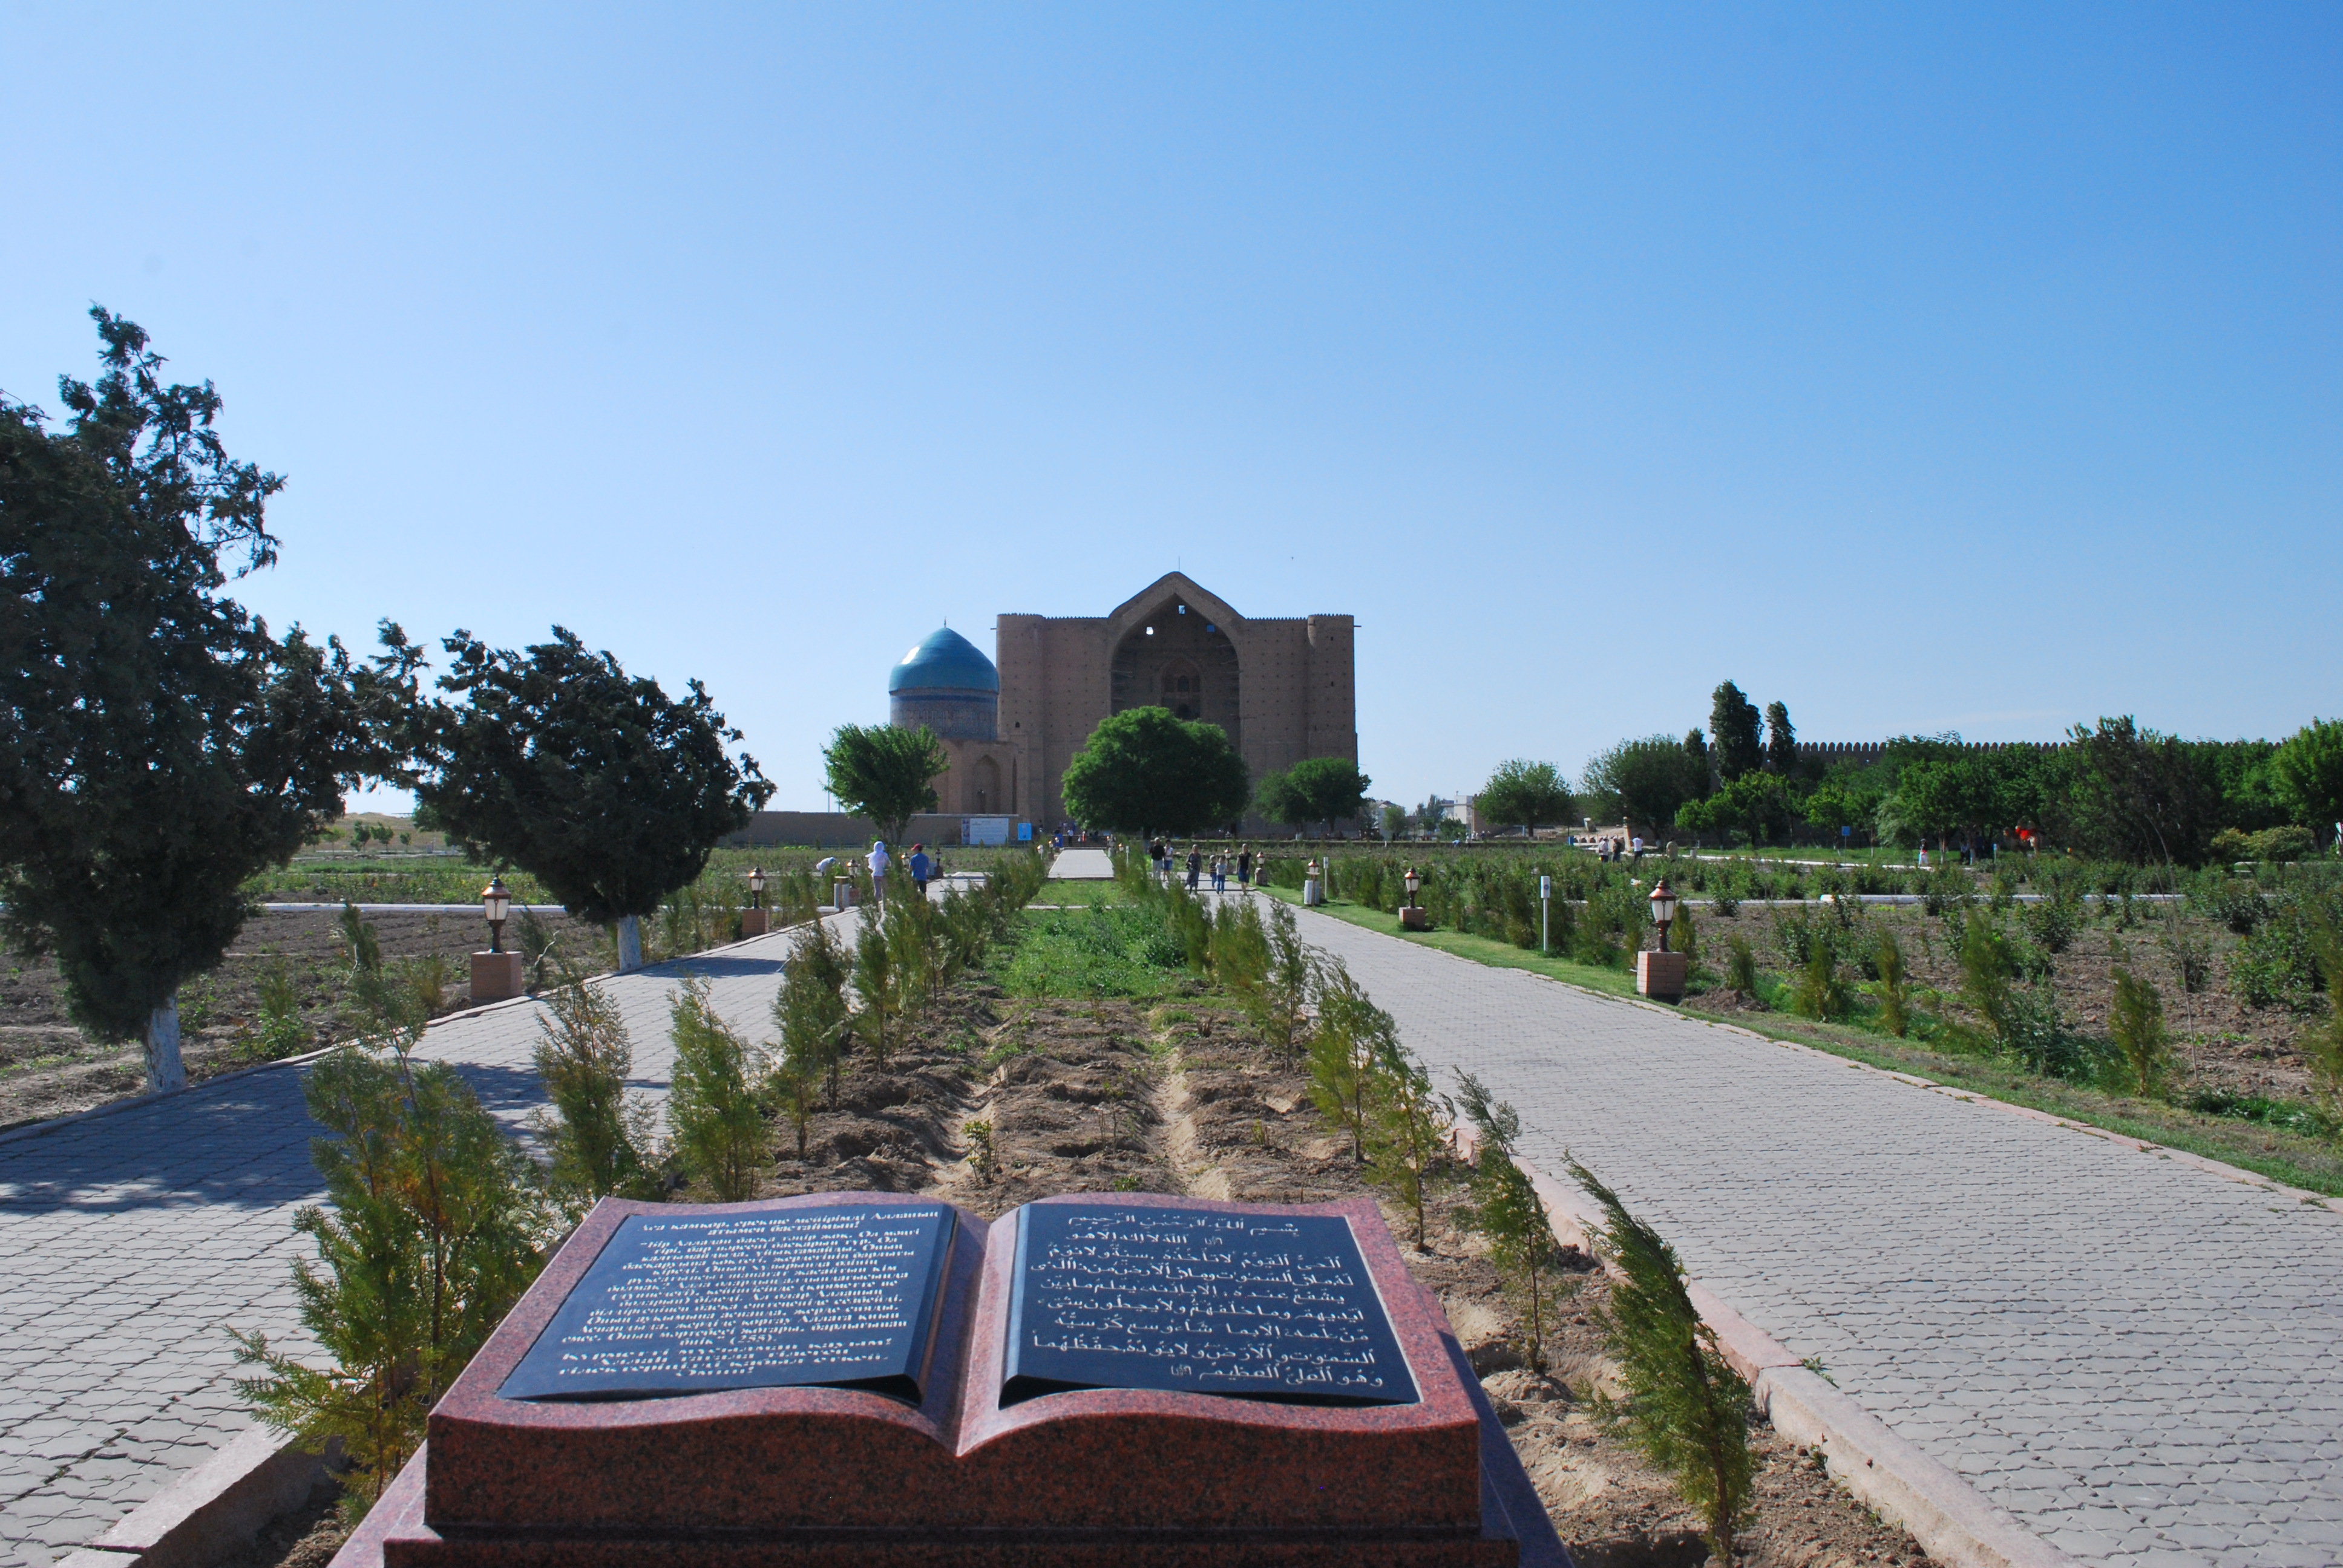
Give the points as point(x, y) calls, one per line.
point(921, 869)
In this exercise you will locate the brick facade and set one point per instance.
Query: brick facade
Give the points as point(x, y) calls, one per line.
point(1283, 688)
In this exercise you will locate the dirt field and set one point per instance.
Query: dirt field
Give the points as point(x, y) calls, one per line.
point(49, 1067)
point(2224, 1044)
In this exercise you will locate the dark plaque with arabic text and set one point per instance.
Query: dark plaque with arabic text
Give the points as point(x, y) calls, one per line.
point(698, 1304)
point(1251, 1305)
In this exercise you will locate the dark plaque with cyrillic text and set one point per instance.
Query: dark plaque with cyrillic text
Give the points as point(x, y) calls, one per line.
point(699, 1303)
point(1256, 1306)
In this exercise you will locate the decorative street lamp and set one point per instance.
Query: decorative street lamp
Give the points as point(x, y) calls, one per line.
point(1414, 882)
point(496, 903)
point(756, 887)
point(1663, 909)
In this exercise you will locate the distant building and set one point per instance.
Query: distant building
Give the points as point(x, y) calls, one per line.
point(947, 684)
point(1283, 688)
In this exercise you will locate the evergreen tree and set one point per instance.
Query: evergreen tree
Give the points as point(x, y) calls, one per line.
point(157, 746)
point(1685, 1408)
point(1346, 1048)
point(1781, 740)
point(1505, 1208)
point(720, 1133)
point(1733, 728)
point(433, 1226)
point(597, 783)
point(600, 1138)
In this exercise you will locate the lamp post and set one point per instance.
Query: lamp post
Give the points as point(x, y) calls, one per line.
point(1663, 909)
point(756, 887)
point(496, 903)
point(1545, 909)
point(1414, 882)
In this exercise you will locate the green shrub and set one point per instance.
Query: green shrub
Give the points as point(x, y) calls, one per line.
point(2276, 967)
point(2052, 923)
point(1741, 967)
point(1823, 991)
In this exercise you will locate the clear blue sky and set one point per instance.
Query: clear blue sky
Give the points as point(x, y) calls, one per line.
point(1927, 369)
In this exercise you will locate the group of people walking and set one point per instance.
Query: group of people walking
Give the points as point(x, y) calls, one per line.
point(1220, 865)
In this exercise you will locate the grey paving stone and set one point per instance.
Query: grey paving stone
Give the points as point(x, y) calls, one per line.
point(2109, 1344)
point(135, 1239)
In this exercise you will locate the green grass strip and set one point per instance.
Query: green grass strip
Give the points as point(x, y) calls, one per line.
point(2291, 1158)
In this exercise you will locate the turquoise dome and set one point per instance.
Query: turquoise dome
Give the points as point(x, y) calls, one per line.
point(947, 661)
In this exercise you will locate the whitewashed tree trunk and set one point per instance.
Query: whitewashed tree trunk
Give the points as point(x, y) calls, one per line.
point(164, 1070)
point(630, 944)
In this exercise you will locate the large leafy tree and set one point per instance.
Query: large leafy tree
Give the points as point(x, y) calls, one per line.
point(1144, 771)
point(157, 746)
point(1648, 781)
point(1322, 789)
point(607, 790)
point(885, 773)
point(1733, 745)
point(2141, 795)
point(1524, 794)
point(2307, 768)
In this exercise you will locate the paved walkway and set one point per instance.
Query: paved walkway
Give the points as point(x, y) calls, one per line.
point(2140, 1361)
point(1083, 866)
point(133, 1238)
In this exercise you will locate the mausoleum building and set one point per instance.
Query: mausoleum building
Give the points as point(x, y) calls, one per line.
point(1282, 688)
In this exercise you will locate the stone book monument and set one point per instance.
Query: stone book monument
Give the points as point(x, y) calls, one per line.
point(870, 1378)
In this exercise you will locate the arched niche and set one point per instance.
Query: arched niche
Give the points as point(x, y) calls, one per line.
point(1175, 656)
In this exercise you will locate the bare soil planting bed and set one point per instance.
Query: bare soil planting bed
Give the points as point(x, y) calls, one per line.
point(50, 1068)
point(1179, 1097)
point(2222, 1043)
point(991, 1101)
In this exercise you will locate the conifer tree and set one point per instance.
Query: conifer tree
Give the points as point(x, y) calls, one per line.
point(157, 746)
point(1505, 1208)
point(1346, 1049)
point(600, 1138)
point(719, 1131)
point(434, 1226)
point(1685, 1408)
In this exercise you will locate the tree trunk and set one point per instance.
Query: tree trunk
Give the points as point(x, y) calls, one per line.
point(164, 1071)
point(630, 944)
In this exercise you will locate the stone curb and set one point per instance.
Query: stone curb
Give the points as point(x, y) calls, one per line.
point(1949, 1517)
point(213, 1512)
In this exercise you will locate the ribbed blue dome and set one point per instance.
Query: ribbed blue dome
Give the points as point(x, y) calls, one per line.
point(947, 661)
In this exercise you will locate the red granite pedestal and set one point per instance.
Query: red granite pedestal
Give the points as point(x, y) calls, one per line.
point(833, 1476)
point(754, 922)
point(1414, 917)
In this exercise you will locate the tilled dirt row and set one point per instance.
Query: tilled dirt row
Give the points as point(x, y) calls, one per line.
point(994, 1102)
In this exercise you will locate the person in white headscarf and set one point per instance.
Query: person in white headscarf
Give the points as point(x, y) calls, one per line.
point(878, 861)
